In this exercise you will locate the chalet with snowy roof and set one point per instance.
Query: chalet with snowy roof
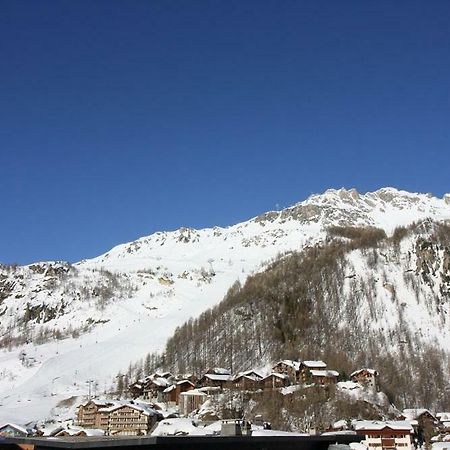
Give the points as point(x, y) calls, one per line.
point(88, 413)
point(166, 375)
point(339, 425)
point(390, 435)
point(190, 401)
point(365, 377)
point(172, 393)
point(305, 367)
point(247, 381)
point(11, 430)
point(444, 420)
point(423, 417)
point(214, 380)
point(275, 380)
point(136, 389)
point(443, 416)
point(187, 376)
point(78, 432)
point(218, 371)
point(154, 387)
point(324, 377)
point(288, 367)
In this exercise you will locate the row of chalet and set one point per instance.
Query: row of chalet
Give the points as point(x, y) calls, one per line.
point(316, 372)
point(116, 418)
point(165, 387)
point(306, 372)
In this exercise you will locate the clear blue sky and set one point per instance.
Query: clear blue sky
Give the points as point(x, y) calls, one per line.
point(121, 118)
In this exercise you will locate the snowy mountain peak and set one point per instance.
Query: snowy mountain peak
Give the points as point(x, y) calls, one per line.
point(386, 208)
point(89, 320)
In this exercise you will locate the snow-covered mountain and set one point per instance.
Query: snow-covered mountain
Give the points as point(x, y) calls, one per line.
point(64, 327)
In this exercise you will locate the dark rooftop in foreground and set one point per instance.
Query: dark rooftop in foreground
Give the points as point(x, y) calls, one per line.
point(184, 442)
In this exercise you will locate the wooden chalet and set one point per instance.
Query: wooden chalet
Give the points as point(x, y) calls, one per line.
point(11, 430)
point(166, 375)
point(71, 433)
point(136, 389)
point(444, 421)
point(304, 372)
point(153, 388)
point(275, 380)
point(191, 400)
point(390, 435)
point(247, 381)
point(425, 420)
point(288, 367)
point(172, 393)
point(183, 386)
point(324, 377)
point(365, 377)
point(214, 380)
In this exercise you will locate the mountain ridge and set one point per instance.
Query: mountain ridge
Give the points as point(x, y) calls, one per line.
point(93, 317)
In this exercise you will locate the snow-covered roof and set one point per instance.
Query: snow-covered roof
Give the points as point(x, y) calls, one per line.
point(371, 371)
point(324, 373)
point(162, 375)
point(16, 427)
point(290, 363)
point(339, 432)
point(254, 374)
point(73, 431)
point(443, 415)
point(185, 381)
point(361, 425)
point(161, 382)
point(248, 377)
point(357, 446)
point(340, 424)
point(169, 389)
point(94, 432)
point(282, 376)
point(207, 389)
point(415, 413)
point(173, 427)
point(99, 403)
point(215, 377)
point(194, 392)
point(349, 385)
point(219, 371)
point(318, 364)
point(145, 409)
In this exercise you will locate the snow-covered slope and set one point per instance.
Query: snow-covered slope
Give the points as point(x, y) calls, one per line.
point(117, 307)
